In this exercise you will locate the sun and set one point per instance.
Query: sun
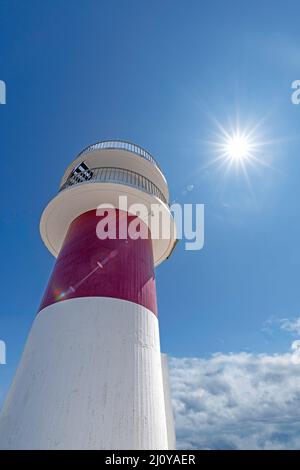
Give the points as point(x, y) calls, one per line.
point(239, 151)
point(238, 147)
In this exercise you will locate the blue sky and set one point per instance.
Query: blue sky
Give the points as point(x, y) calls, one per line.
point(160, 73)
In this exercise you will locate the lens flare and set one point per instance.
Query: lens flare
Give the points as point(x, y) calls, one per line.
point(59, 294)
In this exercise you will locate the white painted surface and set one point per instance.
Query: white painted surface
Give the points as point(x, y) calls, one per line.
point(90, 378)
point(168, 403)
point(80, 198)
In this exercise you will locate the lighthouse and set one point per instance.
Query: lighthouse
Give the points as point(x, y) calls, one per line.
point(92, 375)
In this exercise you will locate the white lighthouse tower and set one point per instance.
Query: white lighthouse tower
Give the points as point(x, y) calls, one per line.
point(92, 375)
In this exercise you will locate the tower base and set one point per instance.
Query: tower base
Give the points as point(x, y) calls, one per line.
point(90, 378)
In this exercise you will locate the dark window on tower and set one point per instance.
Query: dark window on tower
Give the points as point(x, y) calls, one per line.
point(82, 172)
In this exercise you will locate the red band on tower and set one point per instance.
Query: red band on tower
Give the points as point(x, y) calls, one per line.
point(90, 267)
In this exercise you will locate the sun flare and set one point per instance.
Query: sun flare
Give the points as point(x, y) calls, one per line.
point(238, 147)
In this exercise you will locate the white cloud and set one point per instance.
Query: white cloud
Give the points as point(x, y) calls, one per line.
point(293, 326)
point(296, 351)
point(237, 401)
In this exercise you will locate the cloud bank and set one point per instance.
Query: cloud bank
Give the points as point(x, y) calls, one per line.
point(237, 401)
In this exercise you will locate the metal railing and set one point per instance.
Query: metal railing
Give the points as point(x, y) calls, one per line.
point(123, 145)
point(114, 175)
